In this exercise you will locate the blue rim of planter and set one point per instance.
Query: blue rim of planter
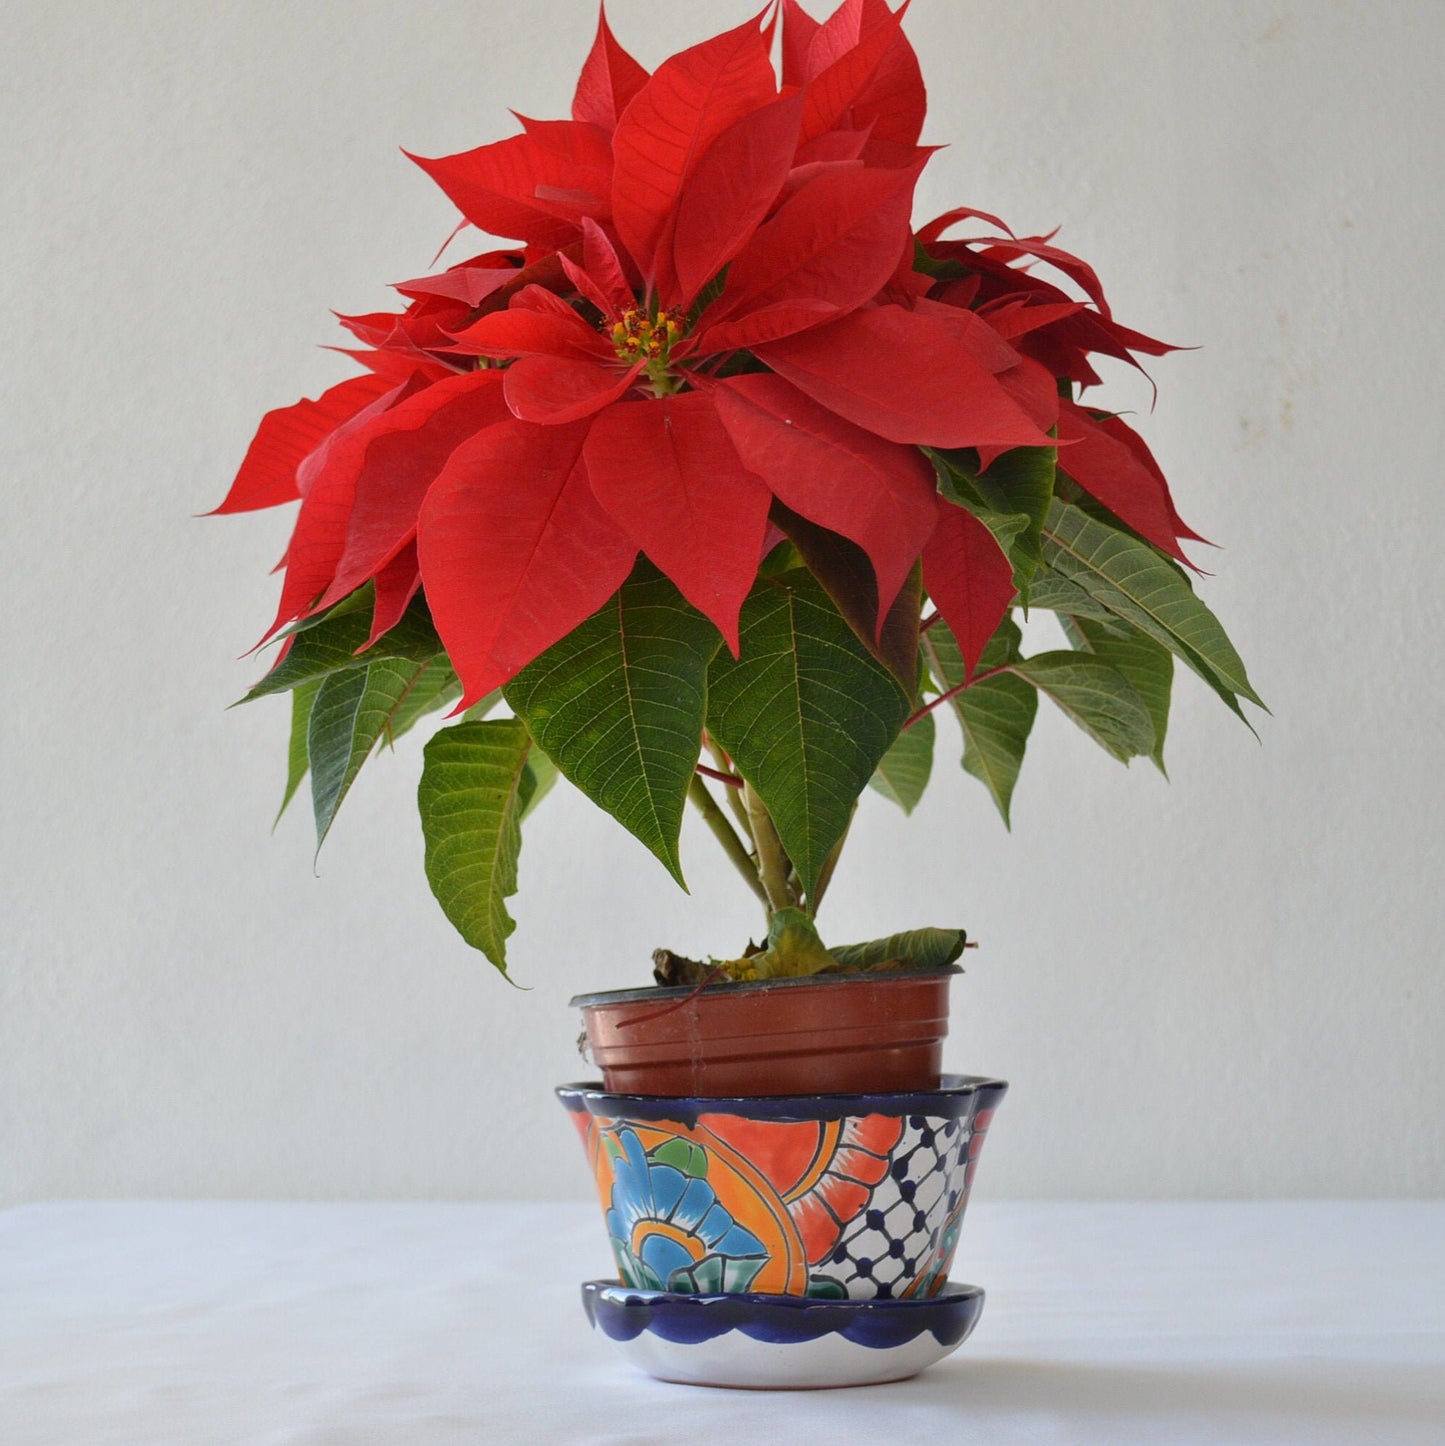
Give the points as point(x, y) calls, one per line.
point(623, 1314)
point(958, 1096)
point(682, 991)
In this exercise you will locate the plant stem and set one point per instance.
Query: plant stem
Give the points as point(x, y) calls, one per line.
point(722, 830)
point(731, 779)
point(772, 861)
point(954, 692)
point(825, 874)
point(734, 795)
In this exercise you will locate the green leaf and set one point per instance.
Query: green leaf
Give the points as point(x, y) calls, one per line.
point(332, 646)
point(927, 948)
point(903, 774)
point(806, 713)
point(1011, 499)
point(475, 787)
point(354, 709)
point(1137, 584)
point(544, 778)
point(302, 699)
point(1100, 699)
point(618, 706)
point(437, 687)
point(1055, 594)
point(845, 572)
point(995, 713)
point(1145, 663)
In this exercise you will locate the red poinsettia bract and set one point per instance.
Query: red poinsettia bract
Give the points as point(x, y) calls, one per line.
point(714, 303)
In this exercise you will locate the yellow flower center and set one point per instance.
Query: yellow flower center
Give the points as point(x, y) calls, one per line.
point(639, 337)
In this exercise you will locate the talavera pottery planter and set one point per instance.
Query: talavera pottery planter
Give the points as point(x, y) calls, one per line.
point(849, 1033)
point(853, 1200)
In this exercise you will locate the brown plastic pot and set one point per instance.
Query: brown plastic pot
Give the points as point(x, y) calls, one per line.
point(827, 1034)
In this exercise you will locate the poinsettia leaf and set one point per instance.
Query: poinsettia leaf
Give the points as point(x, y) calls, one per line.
point(945, 396)
point(902, 775)
point(302, 699)
point(610, 78)
point(544, 774)
point(806, 713)
point(496, 187)
point(691, 506)
point(688, 102)
point(1134, 582)
point(353, 711)
point(835, 243)
point(1110, 471)
point(437, 688)
point(267, 476)
point(618, 706)
point(1054, 593)
point(515, 550)
point(403, 453)
point(1099, 698)
point(1011, 498)
point(968, 578)
point(924, 948)
point(878, 494)
point(1148, 665)
point(731, 190)
point(996, 714)
point(475, 787)
point(847, 577)
point(334, 644)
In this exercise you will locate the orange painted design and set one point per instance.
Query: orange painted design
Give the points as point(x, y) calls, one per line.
point(827, 1147)
point(784, 1151)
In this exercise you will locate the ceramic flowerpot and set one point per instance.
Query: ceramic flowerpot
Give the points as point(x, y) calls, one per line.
point(735, 1221)
point(831, 1196)
point(850, 1033)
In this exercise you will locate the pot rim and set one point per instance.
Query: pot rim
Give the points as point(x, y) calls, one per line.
point(683, 991)
point(954, 1096)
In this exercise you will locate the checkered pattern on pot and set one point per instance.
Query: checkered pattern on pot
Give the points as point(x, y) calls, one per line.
point(907, 1211)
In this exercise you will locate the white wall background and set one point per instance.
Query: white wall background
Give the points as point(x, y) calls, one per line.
point(1224, 986)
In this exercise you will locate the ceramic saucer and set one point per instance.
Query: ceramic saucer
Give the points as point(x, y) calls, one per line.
point(780, 1341)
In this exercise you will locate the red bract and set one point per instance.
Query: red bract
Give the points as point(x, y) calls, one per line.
point(717, 301)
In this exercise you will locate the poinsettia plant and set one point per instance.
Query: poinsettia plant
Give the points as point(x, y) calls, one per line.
point(718, 481)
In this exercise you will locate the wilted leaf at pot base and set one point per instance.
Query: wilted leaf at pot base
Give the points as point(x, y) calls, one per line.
point(916, 948)
point(793, 951)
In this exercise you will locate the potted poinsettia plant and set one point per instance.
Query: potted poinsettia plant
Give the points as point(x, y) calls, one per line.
point(712, 486)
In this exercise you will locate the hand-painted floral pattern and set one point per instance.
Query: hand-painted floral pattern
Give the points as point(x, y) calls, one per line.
point(668, 1229)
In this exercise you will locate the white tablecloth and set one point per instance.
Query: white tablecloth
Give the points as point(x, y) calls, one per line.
point(154, 1324)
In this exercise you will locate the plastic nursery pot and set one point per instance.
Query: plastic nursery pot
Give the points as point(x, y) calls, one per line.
point(841, 1197)
point(826, 1034)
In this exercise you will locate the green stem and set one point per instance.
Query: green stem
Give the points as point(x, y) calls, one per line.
point(722, 830)
point(772, 861)
point(734, 795)
point(825, 874)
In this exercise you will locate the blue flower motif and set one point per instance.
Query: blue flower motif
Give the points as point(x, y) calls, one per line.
point(669, 1230)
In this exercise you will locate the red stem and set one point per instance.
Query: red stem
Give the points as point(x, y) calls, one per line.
point(731, 779)
point(954, 692)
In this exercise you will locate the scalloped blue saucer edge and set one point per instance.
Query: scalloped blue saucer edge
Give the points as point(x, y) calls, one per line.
point(780, 1341)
